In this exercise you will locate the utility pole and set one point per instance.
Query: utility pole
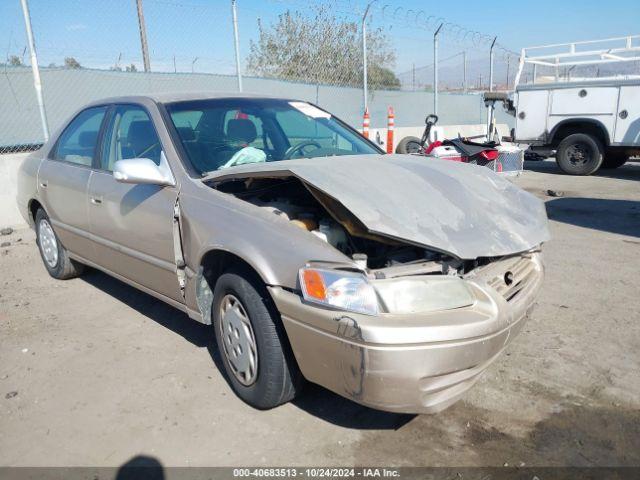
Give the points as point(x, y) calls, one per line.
point(413, 77)
point(508, 65)
point(435, 70)
point(365, 92)
point(37, 84)
point(490, 106)
point(234, 15)
point(464, 71)
point(143, 36)
point(491, 64)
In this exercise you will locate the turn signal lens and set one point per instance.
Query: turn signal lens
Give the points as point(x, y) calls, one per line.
point(312, 284)
point(342, 290)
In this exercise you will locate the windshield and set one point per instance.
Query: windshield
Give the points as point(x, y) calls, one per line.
point(222, 133)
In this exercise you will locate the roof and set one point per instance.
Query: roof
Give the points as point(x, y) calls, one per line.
point(168, 97)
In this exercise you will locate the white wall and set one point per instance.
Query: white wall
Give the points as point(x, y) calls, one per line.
point(9, 214)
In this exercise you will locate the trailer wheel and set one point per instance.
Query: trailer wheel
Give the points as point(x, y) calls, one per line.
point(409, 145)
point(614, 159)
point(579, 154)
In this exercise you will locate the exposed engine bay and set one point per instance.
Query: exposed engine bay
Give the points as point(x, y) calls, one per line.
point(312, 210)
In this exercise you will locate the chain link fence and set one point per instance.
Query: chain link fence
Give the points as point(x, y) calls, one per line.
point(309, 50)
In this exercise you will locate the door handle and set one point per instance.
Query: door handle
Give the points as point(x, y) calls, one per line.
point(43, 184)
point(96, 200)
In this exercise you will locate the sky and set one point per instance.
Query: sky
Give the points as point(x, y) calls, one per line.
point(198, 33)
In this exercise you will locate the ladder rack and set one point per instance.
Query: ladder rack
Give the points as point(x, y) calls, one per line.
point(590, 52)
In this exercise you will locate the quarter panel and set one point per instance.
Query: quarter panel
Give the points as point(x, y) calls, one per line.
point(628, 128)
point(534, 105)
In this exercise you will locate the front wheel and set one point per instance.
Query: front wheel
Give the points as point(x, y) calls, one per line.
point(409, 145)
point(253, 346)
point(579, 154)
point(54, 256)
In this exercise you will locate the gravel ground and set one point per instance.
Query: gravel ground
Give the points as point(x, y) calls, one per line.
point(93, 372)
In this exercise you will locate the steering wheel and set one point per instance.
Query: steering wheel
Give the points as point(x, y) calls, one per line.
point(299, 147)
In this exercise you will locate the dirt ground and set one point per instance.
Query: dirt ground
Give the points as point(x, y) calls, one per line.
point(93, 372)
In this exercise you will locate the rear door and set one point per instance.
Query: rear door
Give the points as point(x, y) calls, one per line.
point(132, 224)
point(63, 180)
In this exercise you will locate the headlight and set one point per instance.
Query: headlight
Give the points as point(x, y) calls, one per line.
point(339, 289)
point(424, 294)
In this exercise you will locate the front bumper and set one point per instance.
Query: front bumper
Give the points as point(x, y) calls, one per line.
point(411, 363)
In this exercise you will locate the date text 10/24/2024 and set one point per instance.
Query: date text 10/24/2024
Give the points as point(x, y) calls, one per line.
point(320, 472)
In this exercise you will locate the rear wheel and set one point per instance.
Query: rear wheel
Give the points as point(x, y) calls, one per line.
point(54, 256)
point(253, 346)
point(579, 154)
point(614, 159)
point(409, 145)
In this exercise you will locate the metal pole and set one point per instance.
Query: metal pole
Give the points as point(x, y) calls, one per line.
point(143, 36)
point(464, 71)
point(491, 105)
point(435, 70)
point(365, 92)
point(508, 65)
point(37, 84)
point(234, 14)
point(491, 64)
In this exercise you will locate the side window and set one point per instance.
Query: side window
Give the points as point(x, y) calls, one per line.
point(130, 134)
point(77, 144)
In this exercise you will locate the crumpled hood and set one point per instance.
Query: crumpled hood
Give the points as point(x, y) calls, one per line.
point(464, 210)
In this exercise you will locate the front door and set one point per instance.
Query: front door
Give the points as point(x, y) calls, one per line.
point(63, 180)
point(132, 224)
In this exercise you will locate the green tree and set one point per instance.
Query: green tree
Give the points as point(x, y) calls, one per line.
point(71, 62)
point(321, 48)
point(131, 68)
point(15, 61)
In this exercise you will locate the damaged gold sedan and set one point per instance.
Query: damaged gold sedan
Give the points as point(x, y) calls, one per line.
point(391, 280)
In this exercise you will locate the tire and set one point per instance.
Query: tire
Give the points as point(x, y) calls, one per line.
point(274, 378)
point(409, 145)
point(614, 160)
point(579, 154)
point(54, 256)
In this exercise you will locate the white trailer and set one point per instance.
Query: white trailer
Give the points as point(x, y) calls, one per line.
point(580, 101)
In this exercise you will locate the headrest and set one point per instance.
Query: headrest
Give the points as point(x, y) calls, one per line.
point(88, 139)
point(241, 129)
point(141, 132)
point(186, 134)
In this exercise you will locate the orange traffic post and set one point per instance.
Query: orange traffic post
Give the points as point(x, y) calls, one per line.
point(391, 125)
point(366, 121)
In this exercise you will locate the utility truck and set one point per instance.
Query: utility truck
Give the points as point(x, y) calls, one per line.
point(581, 102)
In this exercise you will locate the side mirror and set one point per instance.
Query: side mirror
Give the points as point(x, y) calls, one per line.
point(141, 170)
